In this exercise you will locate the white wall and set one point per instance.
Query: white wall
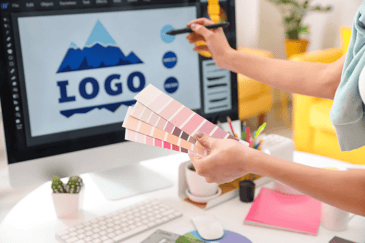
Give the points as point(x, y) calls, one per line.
point(259, 24)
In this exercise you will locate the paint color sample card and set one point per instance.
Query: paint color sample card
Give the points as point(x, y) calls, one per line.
point(179, 115)
point(273, 209)
point(141, 138)
point(139, 126)
point(143, 113)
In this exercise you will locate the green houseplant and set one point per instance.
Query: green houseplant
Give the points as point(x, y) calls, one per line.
point(293, 12)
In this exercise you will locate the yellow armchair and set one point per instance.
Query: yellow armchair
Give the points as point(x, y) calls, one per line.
point(313, 131)
point(254, 98)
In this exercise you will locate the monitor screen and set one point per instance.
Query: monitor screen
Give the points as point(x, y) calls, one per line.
point(72, 73)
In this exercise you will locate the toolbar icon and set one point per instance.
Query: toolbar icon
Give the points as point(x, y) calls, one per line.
point(12, 70)
point(17, 114)
point(7, 26)
point(15, 102)
point(11, 64)
point(17, 108)
point(8, 39)
point(10, 51)
point(9, 45)
point(17, 121)
point(13, 78)
point(4, 6)
point(14, 83)
point(15, 96)
point(15, 90)
point(6, 19)
point(19, 126)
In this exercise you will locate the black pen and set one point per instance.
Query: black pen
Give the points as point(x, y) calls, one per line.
point(189, 30)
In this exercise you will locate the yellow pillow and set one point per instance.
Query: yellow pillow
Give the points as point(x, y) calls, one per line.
point(345, 33)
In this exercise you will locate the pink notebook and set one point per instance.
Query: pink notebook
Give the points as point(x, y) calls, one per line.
point(273, 209)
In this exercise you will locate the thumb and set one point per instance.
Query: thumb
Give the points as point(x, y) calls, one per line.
point(204, 139)
point(200, 29)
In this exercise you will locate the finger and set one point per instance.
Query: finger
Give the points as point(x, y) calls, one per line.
point(201, 48)
point(205, 140)
point(202, 21)
point(193, 37)
point(201, 30)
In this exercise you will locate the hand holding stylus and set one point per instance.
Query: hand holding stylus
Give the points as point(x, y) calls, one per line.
point(216, 40)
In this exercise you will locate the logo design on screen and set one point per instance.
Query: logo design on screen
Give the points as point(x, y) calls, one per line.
point(100, 51)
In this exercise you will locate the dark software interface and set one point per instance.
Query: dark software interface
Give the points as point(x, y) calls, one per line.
point(70, 69)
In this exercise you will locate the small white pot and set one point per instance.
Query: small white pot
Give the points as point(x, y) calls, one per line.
point(197, 184)
point(333, 218)
point(67, 205)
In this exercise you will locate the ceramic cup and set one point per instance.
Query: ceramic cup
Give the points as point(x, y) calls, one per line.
point(334, 219)
point(197, 184)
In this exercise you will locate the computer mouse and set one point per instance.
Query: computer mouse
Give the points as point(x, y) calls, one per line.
point(208, 227)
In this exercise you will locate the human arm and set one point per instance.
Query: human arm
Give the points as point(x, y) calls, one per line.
point(229, 160)
point(313, 79)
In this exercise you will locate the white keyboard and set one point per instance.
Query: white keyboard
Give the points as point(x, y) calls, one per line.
point(120, 225)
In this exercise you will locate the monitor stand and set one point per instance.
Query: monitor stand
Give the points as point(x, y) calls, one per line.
point(129, 181)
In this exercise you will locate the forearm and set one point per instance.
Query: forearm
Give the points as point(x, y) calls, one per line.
point(296, 77)
point(342, 189)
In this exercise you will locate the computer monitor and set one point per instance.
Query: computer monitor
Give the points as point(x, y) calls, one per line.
point(70, 69)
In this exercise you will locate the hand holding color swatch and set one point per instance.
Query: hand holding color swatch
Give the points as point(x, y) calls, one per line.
point(159, 120)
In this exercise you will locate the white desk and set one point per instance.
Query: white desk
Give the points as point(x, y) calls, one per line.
point(33, 219)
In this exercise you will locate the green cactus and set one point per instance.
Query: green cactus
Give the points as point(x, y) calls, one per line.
point(58, 186)
point(74, 184)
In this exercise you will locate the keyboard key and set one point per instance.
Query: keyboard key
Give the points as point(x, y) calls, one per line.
point(130, 233)
point(104, 237)
point(72, 240)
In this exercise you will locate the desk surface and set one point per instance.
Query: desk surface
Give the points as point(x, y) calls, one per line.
point(33, 219)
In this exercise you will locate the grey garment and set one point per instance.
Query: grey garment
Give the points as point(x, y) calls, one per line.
point(347, 113)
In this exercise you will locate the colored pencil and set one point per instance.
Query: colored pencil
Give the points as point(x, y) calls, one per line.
point(261, 128)
point(230, 124)
point(220, 125)
point(248, 134)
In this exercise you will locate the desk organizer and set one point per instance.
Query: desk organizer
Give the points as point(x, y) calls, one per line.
point(229, 190)
point(281, 147)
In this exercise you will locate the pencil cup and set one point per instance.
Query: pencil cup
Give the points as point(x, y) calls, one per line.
point(67, 205)
point(333, 218)
point(247, 191)
point(197, 184)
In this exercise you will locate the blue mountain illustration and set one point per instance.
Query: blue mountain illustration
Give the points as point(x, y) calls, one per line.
point(100, 51)
point(110, 107)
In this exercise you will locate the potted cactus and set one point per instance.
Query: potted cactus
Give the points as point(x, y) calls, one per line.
point(293, 12)
point(67, 198)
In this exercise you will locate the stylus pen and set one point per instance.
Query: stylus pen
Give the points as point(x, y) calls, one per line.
point(189, 30)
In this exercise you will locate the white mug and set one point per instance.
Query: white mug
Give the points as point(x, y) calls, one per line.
point(334, 219)
point(197, 184)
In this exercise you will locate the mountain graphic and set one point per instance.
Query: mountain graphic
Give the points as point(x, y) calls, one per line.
point(100, 51)
point(112, 107)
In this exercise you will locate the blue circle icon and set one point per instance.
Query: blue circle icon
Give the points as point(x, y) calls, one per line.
point(167, 38)
point(169, 60)
point(171, 85)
